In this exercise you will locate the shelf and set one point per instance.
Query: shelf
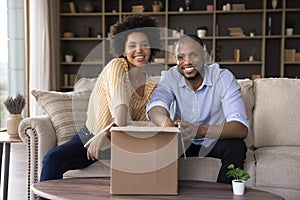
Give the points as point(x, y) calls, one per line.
point(203, 38)
point(273, 37)
point(292, 36)
point(67, 87)
point(82, 63)
point(292, 9)
point(238, 38)
point(240, 11)
point(82, 39)
point(81, 14)
point(292, 62)
point(144, 13)
point(231, 62)
point(190, 13)
point(274, 10)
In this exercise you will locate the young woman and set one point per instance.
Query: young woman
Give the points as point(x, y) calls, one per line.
point(121, 94)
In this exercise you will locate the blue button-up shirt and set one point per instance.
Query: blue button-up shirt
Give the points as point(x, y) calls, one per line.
point(216, 101)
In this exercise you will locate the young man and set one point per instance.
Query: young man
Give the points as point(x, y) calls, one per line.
point(206, 103)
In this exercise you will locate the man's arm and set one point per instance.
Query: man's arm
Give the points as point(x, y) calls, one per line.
point(160, 116)
point(232, 129)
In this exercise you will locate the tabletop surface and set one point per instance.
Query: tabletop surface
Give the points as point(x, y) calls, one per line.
point(98, 189)
point(6, 138)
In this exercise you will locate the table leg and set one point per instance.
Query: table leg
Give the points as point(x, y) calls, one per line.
point(1, 152)
point(6, 170)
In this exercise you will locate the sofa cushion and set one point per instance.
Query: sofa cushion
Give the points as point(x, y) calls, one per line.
point(276, 112)
point(248, 97)
point(278, 167)
point(85, 84)
point(67, 111)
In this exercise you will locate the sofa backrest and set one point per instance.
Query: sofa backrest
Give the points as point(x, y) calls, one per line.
point(246, 90)
point(276, 119)
point(248, 97)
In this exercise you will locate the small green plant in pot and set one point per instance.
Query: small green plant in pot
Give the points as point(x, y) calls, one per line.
point(239, 178)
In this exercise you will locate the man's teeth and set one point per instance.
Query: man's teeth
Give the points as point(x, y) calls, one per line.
point(189, 69)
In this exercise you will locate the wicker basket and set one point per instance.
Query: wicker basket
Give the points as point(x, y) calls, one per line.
point(138, 8)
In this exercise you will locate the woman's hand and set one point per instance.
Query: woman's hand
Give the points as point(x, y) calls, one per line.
point(102, 142)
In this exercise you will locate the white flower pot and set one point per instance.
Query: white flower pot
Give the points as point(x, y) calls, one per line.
point(13, 122)
point(289, 31)
point(201, 33)
point(69, 58)
point(238, 187)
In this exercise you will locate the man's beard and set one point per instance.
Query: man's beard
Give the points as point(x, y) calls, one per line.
point(193, 77)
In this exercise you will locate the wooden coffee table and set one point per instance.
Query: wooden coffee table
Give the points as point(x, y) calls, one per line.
point(98, 189)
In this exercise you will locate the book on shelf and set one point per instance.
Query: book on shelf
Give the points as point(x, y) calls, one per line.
point(289, 54)
point(69, 79)
point(235, 31)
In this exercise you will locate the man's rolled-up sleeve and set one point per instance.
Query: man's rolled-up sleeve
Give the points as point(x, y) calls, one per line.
point(162, 96)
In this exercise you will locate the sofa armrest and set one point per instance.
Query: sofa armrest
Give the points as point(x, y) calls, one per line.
point(39, 135)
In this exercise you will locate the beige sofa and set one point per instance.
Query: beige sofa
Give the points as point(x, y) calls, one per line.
point(273, 157)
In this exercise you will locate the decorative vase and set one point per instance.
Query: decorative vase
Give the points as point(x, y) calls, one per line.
point(69, 58)
point(13, 122)
point(88, 7)
point(274, 4)
point(187, 5)
point(289, 31)
point(201, 33)
point(238, 187)
point(156, 8)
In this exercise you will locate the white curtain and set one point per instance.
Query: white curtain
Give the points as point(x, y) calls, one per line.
point(44, 70)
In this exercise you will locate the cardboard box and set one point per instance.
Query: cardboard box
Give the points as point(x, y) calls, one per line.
point(144, 160)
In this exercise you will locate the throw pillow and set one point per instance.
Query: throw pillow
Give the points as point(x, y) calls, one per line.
point(67, 111)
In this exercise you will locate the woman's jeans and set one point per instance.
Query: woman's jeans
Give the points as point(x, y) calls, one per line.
point(68, 156)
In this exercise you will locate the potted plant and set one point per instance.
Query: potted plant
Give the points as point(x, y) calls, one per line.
point(201, 31)
point(157, 6)
point(69, 56)
point(252, 33)
point(239, 178)
point(14, 106)
point(290, 27)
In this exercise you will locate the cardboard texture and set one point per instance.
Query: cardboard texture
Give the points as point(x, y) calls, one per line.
point(144, 160)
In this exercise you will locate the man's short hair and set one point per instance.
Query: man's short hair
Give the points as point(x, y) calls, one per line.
point(190, 37)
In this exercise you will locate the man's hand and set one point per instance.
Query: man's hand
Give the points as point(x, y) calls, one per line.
point(188, 130)
point(102, 142)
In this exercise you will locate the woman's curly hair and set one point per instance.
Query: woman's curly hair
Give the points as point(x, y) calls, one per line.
point(134, 23)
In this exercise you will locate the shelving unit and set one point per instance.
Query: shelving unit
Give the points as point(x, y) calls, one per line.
point(91, 29)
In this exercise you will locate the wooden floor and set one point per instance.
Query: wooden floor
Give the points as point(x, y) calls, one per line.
point(17, 189)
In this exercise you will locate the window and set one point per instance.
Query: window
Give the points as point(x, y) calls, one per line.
point(12, 59)
point(3, 62)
